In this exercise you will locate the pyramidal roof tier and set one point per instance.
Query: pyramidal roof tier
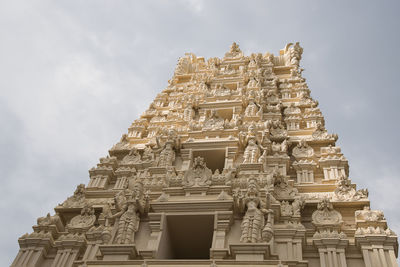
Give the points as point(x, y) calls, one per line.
point(230, 165)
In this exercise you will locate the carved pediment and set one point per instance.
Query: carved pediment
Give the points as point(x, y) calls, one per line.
point(321, 133)
point(292, 110)
point(78, 199)
point(234, 52)
point(369, 215)
point(346, 192)
point(303, 150)
point(325, 217)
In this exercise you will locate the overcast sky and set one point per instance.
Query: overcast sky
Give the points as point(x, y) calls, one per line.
point(75, 74)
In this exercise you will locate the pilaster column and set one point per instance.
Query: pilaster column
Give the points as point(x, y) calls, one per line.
point(32, 251)
point(222, 223)
point(378, 250)
point(289, 241)
point(331, 248)
point(68, 251)
point(157, 224)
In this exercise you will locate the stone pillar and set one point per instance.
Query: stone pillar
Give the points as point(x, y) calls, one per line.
point(305, 170)
point(331, 248)
point(96, 236)
point(378, 250)
point(68, 251)
point(34, 246)
point(32, 251)
point(289, 243)
point(222, 223)
point(377, 242)
point(230, 154)
point(157, 224)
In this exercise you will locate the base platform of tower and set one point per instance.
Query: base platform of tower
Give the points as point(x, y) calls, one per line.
point(230, 165)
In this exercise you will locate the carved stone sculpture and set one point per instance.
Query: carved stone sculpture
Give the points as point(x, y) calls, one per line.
point(321, 133)
point(325, 217)
point(253, 146)
point(132, 157)
point(255, 228)
point(303, 150)
point(346, 192)
point(369, 215)
point(129, 204)
point(199, 174)
point(293, 54)
point(214, 121)
point(78, 199)
point(83, 221)
point(166, 152)
point(282, 189)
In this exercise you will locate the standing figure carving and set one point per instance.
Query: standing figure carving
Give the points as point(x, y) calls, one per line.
point(253, 148)
point(129, 203)
point(167, 150)
point(257, 222)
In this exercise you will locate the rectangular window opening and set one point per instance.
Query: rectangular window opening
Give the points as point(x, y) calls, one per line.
point(215, 159)
point(188, 237)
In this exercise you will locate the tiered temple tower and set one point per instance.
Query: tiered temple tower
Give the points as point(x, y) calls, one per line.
point(230, 165)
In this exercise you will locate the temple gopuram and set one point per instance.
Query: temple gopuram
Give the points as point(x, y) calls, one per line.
point(231, 165)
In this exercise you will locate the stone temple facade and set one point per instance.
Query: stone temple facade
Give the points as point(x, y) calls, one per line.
point(230, 165)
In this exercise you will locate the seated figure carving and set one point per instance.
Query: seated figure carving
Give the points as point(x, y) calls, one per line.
point(199, 174)
point(132, 157)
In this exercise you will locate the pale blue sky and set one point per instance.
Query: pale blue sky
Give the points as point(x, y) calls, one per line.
point(75, 74)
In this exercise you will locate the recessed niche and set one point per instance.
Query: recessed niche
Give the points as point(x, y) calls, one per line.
point(187, 237)
point(215, 159)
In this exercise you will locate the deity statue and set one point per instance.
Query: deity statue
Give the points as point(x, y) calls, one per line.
point(148, 154)
point(167, 150)
point(253, 109)
point(279, 148)
point(298, 205)
point(253, 148)
point(167, 156)
point(346, 192)
point(257, 222)
point(129, 204)
point(132, 157)
point(234, 51)
point(83, 221)
point(293, 54)
point(199, 174)
point(78, 199)
point(214, 121)
point(188, 113)
point(302, 150)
